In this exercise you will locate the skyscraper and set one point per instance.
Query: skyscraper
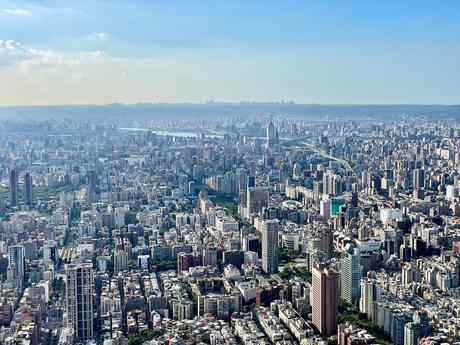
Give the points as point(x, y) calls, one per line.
point(419, 179)
point(92, 185)
point(16, 264)
point(28, 189)
point(271, 134)
point(371, 291)
point(13, 187)
point(324, 300)
point(351, 275)
point(79, 299)
point(327, 242)
point(241, 180)
point(270, 246)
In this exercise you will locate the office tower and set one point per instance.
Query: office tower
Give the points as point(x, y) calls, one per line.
point(327, 242)
point(79, 299)
point(270, 246)
point(13, 187)
point(371, 291)
point(257, 199)
point(418, 179)
point(351, 274)
point(16, 265)
point(324, 300)
point(28, 189)
point(271, 134)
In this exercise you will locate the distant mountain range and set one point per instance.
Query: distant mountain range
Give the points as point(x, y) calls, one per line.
point(198, 111)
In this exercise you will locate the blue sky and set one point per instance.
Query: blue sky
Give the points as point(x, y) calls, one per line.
point(64, 52)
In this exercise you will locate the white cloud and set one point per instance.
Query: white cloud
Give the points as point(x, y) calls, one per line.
point(17, 12)
point(98, 36)
point(13, 52)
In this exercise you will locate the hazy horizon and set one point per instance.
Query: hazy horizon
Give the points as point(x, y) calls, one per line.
point(211, 103)
point(178, 111)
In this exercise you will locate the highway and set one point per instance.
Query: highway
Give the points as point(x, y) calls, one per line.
point(324, 154)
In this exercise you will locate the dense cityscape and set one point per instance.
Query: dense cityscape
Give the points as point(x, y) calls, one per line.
point(230, 230)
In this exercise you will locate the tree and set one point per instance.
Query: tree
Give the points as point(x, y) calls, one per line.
point(135, 339)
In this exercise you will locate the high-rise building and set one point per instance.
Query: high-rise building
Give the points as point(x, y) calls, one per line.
point(50, 251)
point(28, 189)
point(324, 299)
point(257, 199)
point(92, 185)
point(210, 257)
point(13, 187)
point(241, 179)
point(325, 208)
point(350, 274)
point(79, 299)
point(182, 309)
point(271, 134)
point(270, 246)
point(327, 242)
point(418, 179)
point(371, 291)
point(187, 260)
point(120, 260)
point(16, 264)
point(411, 333)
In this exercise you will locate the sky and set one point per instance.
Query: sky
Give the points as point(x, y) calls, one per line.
point(325, 51)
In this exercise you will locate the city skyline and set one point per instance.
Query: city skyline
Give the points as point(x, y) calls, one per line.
point(248, 229)
point(229, 172)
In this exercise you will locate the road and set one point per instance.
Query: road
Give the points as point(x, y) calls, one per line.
point(324, 154)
